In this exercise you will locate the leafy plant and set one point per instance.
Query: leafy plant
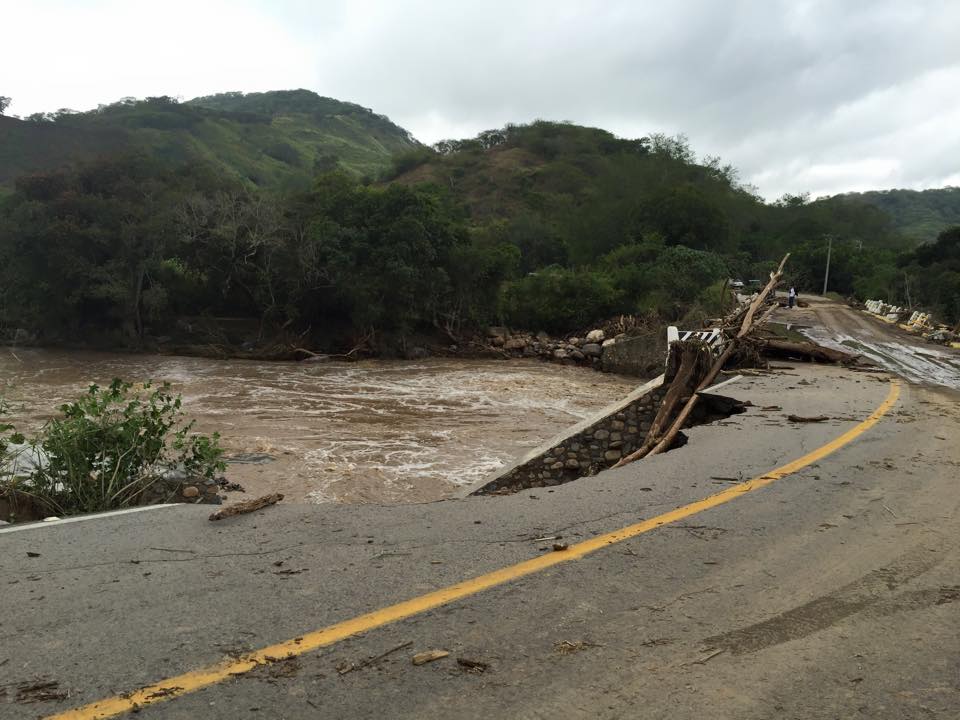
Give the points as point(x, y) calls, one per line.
point(110, 446)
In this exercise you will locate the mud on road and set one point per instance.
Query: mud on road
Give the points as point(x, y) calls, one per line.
point(840, 327)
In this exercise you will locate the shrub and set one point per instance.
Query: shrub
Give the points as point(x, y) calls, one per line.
point(558, 300)
point(114, 443)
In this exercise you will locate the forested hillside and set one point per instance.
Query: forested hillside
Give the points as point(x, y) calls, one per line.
point(547, 226)
point(269, 140)
point(919, 215)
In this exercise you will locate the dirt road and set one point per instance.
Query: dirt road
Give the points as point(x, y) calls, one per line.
point(829, 588)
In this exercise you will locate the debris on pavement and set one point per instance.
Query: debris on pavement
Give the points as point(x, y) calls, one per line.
point(346, 667)
point(291, 571)
point(813, 419)
point(422, 658)
point(473, 666)
point(560, 547)
point(247, 506)
point(41, 690)
point(708, 657)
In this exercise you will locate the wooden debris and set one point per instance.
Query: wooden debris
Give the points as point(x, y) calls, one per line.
point(692, 359)
point(654, 445)
point(804, 351)
point(709, 656)
point(39, 691)
point(422, 658)
point(346, 667)
point(247, 506)
point(813, 419)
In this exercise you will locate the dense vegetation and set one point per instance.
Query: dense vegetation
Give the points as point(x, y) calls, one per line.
point(266, 140)
point(919, 215)
point(543, 226)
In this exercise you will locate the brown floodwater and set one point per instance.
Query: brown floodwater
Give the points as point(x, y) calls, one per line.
point(372, 431)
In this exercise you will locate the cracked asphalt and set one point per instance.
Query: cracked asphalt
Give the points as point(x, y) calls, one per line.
point(831, 593)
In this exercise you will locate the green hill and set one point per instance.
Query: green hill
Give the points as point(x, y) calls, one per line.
point(270, 140)
point(547, 226)
point(588, 192)
point(919, 215)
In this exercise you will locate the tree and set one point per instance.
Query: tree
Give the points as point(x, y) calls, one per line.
point(4, 103)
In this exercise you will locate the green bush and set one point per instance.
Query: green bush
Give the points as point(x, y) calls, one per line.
point(110, 446)
point(557, 299)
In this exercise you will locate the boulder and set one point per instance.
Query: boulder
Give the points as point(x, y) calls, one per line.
point(497, 341)
point(515, 343)
point(608, 343)
point(560, 354)
point(497, 331)
point(575, 341)
point(543, 337)
point(595, 336)
point(577, 355)
point(591, 349)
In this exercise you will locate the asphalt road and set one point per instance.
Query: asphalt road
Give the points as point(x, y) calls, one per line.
point(833, 592)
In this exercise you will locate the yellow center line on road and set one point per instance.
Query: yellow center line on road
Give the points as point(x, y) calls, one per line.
point(195, 680)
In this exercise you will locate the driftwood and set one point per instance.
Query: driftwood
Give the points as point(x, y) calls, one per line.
point(805, 351)
point(345, 668)
point(693, 363)
point(247, 506)
point(746, 325)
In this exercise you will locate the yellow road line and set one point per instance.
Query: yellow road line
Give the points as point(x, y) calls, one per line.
point(198, 679)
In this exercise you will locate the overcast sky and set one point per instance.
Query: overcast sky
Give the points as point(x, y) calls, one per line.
point(800, 96)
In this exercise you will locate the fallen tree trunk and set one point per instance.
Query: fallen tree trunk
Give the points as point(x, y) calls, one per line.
point(692, 359)
point(804, 351)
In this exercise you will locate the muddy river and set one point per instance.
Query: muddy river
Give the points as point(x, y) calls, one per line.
point(363, 432)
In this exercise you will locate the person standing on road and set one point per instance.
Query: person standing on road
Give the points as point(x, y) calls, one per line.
point(792, 296)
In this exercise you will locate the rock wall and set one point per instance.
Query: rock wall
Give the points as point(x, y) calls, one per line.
point(638, 355)
point(584, 449)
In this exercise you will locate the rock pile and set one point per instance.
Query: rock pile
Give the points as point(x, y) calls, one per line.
point(586, 351)
point(175, 486)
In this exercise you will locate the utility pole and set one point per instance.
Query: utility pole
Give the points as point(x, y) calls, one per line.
point(826, 275)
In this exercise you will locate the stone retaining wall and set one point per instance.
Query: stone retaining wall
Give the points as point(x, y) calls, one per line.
point(585, 449)
point(639, 355)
